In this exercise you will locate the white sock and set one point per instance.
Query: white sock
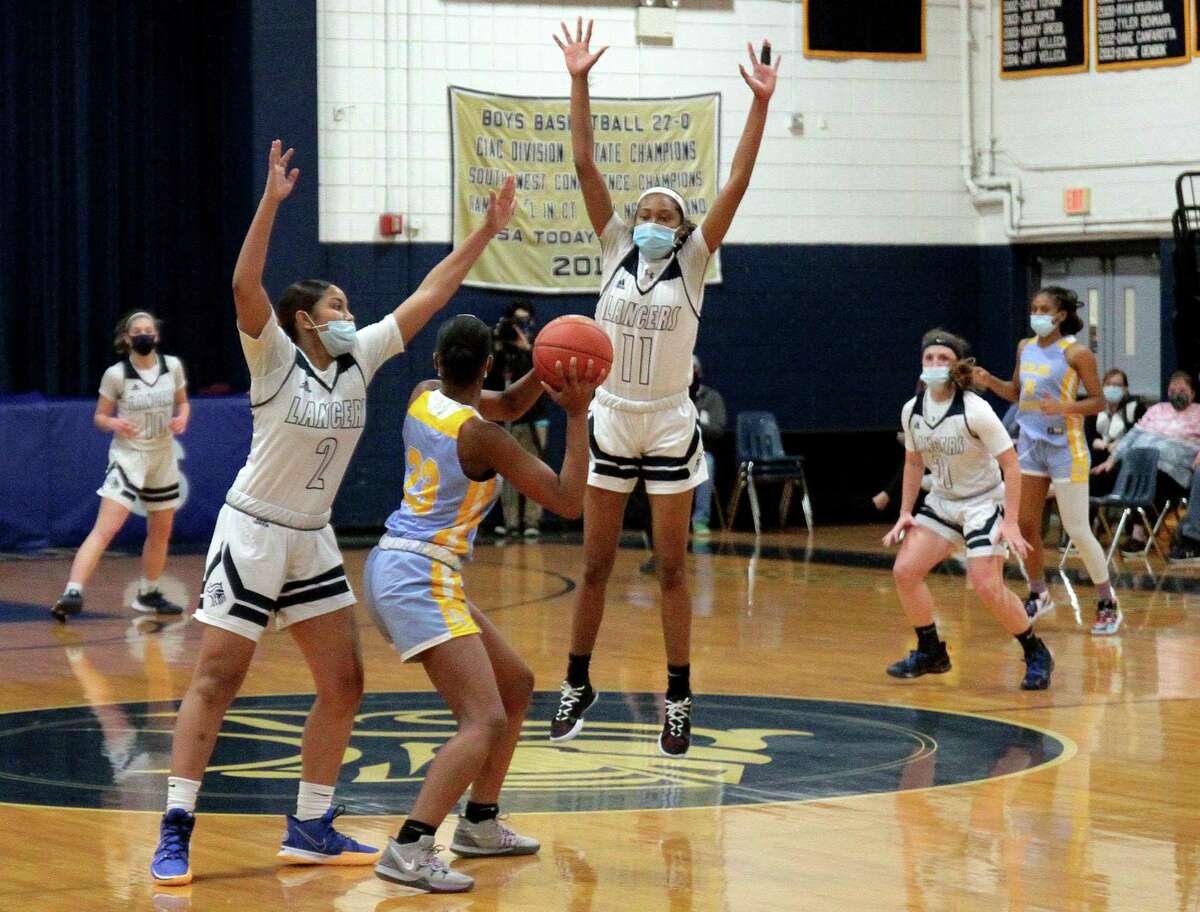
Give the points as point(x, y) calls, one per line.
point(181, 793)
point(78, 587)
point(147, 585)
point(313, 801)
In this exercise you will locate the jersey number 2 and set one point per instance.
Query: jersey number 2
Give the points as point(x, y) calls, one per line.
point(326, 448)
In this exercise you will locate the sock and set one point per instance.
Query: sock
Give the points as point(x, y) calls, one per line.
point(77, 587)
point(927, 639)
point(577, 669)
point(1104, 592)
point(146, 586)
point(313, 800)
point(477, 813)
point(1029, 641)
point(679, 683)
point(181, 793)
point(413, 830)
point(1037, 587)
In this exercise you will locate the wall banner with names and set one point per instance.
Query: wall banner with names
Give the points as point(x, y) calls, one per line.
point(1141, 33)
point(1043, 37)
point(550, 246)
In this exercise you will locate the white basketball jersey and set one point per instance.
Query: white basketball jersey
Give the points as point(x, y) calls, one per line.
point(307, 423)
point(650, 309)
point(959, 441)
point(146, 399)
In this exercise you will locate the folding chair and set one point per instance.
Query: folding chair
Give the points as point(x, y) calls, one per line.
point(761, 457)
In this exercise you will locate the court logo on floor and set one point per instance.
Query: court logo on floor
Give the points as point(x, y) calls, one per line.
point(745, 750)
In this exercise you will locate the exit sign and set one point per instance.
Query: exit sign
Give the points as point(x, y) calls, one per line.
point(1077, 200)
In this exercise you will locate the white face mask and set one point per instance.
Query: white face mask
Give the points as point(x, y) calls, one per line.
point(337, 335)
point(935, 376)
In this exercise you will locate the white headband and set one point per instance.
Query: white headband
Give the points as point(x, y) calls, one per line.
point(667, 192)
point(133, 316)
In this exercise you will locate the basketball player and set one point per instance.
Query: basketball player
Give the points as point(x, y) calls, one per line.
point(1053, 450)
point(643, 423)
point(414, 590)
point(273, 554)
point(976, 489)
point(143, 403)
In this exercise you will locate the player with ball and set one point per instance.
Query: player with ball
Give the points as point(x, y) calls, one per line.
point(643, 423)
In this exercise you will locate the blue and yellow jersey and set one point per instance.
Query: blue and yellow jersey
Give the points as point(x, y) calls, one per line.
point(441, 504)
point(1045, 373)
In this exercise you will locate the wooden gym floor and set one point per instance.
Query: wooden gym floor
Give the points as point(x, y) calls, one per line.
point(815, 781)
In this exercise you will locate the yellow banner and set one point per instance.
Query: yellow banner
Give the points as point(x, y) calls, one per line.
point(550, 247)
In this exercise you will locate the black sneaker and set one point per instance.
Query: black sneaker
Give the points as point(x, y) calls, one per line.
point(1038, 666)
point(1037, 605)
point(676, 735)
point(1184, 551)
point(573, 702)
point(919, 663)
point(154, 603)
point(70, 602)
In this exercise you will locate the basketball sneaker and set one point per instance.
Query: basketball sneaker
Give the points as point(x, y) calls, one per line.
point(416, 864)
point(573, 702)
point(317, 842)
point(70, 602)
point(1036, 605)
point(1038, 666)
point(170, 866)
point(490, 837)
point(919, 663)
point(676, 735)
point(1108, 618)
point(154, 603)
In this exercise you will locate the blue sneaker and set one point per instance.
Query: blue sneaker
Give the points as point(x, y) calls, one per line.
point(170, 865)
point(1037, 668)
point(317, 842)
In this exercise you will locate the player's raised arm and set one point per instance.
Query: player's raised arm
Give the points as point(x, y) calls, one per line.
point(761, 80)
point(579, 60)
point(249, 296)
point(444, 279)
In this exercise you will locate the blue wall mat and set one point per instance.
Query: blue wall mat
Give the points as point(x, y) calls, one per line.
point(55, 503)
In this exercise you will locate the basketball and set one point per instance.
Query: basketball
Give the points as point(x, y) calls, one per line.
point(567, 337)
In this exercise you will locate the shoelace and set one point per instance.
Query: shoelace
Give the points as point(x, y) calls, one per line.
point(171, 843)
point(431, 859)
point(570, 696)
point(677, 714)
point(342, 840)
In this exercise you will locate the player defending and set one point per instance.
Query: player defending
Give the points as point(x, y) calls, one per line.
point(644, 423)
point(976, 490)
point(274, 557)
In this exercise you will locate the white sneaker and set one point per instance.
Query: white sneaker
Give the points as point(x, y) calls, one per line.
point(416, 864)
point(490, 837)
point(1108, 618)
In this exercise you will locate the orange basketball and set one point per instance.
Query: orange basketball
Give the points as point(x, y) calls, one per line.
point(571, 336)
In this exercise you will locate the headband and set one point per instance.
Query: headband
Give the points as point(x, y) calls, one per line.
point(668, 192)
point(139, 313)
point(951, 343)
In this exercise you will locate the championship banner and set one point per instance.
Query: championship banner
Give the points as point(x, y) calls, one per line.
point(550, 247)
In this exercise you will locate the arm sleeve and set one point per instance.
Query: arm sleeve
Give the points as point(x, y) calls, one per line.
point(987, 426)
point(615, 235)
point(374, 344)
point(177, 372)
point(693, 260)
point(269, 352)
point(910, 445)
point(112, 382)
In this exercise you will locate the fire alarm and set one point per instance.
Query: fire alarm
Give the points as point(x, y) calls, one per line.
point(391, 225)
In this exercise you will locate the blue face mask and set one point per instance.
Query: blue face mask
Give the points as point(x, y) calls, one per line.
point(654, 240)
point(337, 336)
point(1114, 394)
point(935, 376)
point(1043, 324)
